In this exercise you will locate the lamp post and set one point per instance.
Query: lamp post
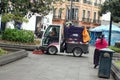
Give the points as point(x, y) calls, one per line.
point(110, 30)
point(70, 14)
point(0, 8)
point(0, 14)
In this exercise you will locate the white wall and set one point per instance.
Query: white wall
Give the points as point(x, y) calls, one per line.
point(30, 25)
point(106, 17)
point(46, 20)
point(105, 20)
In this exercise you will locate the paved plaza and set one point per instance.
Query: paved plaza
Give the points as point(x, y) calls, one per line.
point(51, 67)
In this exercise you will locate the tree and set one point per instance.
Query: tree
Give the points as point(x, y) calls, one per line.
point(19, 8)
point(112, 6)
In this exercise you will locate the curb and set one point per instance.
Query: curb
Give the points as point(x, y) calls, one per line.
point(7, 58)
point(115, 71)
point(26, 47)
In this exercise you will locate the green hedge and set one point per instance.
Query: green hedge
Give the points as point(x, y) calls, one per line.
point(18, 35)
point(117, 44)
point(115, 49)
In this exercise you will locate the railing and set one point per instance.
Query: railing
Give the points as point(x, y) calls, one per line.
point(84, 1)
point(86, 19)
point(89, 2)
point(73, 18)
point(56, 17)
point(96, 4)
point(74, 0)
point(97, 21)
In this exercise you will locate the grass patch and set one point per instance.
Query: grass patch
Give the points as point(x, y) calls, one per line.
point(117, 63)
point(2, 51)
point(115, 49)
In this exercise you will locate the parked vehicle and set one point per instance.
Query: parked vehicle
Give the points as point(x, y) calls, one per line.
point(67, 39)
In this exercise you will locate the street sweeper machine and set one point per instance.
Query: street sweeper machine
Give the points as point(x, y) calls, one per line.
point(67, 39)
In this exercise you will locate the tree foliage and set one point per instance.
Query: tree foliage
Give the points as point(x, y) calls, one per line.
point(21, 7)
point(112, 6)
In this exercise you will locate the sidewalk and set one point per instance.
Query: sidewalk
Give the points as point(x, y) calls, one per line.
point(94, 72)
point(51, 67)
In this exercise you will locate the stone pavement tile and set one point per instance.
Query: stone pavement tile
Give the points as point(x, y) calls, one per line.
point(94, 72)
point(51, 67)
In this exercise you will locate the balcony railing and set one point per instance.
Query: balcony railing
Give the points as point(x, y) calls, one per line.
point(74, 0)
point(89, 2)
point(86, 20)
point(73, 18)
point(96, 4)
point(84, 1)
point(96, 21)
point(56, 17)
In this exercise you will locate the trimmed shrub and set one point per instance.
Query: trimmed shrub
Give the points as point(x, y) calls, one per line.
point(117, 44)
point(23, 36)
point(115, 49)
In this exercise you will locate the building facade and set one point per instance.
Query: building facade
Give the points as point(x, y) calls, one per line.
point(80, 12)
